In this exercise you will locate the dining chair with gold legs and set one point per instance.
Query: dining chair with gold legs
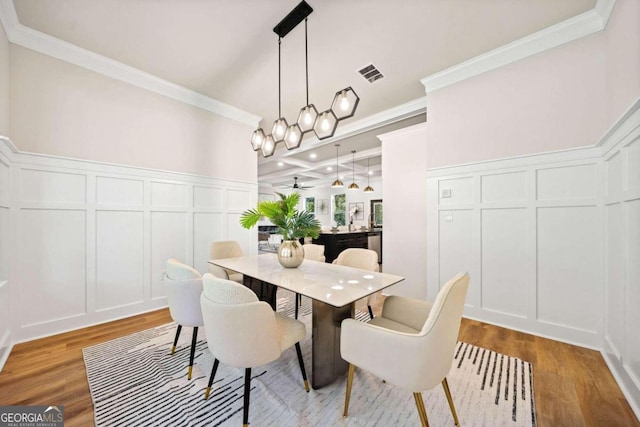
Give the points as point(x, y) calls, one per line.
point(183, 286)
point(364, 259)
point(411, 344)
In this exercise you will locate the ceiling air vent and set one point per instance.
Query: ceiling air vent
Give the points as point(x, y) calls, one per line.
point(371, 73)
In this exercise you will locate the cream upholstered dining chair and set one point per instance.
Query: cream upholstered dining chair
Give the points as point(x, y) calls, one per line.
point(183, 286)
point(226, 249)
point(364, 259)
point(411, 345)
point(314, 252)
point(244, 332)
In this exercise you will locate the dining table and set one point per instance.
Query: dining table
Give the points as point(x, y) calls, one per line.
point(333, 289)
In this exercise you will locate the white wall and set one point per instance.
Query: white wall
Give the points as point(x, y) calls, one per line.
point(4, 83)
point(90, 240)
point(551, 101)
point(621, 177)
point(65, 110)
point(404, 162)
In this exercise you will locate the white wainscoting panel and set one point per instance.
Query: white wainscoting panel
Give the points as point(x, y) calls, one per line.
point(238, 200)
point(460, 191)
point(569, 266)
point(632, 299)
point(614, 300)
point(456, 249)
point(169, 239)
point(504, 187)
point(51, 265)
point(621, 346)
point(89, 241)
point(567, 183)
point(504, 260)
point(236, 232)
point(119, 192)
point(529, 232)
point(119, 259)
point(6, 337)
point(633, 156)
point(164, 194)
point(4, 182)
point(58, 187)
point(207, 228)
point(208, 198)
point(5, 231)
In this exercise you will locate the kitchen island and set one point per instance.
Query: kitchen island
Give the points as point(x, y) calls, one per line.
point(336, 242)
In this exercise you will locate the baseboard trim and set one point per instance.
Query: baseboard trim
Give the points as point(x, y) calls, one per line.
point(625, 383)
point(5, 343)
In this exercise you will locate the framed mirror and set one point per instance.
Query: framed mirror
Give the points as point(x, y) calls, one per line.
point(376, 213)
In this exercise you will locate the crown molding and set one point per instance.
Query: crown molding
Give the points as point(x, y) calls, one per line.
point(29, 38)
point(579, 26)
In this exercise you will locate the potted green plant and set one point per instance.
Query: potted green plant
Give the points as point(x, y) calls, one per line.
point(292, 225)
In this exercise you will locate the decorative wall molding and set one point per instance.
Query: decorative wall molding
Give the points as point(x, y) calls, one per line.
point(621, 344)
point(585, 24)
point(29, 38)
point(112, 227)
point(499, 221)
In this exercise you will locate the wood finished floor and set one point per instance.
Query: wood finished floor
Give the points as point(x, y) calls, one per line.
point(572, 385)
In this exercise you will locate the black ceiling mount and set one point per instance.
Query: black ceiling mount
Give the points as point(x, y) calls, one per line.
point(296, 16)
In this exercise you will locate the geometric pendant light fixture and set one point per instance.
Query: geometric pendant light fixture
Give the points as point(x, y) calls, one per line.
point(322, 124)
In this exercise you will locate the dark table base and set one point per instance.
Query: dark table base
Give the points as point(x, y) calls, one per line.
point(326, 327)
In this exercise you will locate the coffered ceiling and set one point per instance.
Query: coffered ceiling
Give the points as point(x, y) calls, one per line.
point(226, 50)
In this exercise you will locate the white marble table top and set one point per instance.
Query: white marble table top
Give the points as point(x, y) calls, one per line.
point(332, 284)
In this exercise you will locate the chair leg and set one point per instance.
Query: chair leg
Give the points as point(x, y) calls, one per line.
point(370, 311)
point(193, 350)
point(247, 390)
point(301, 362)
point(175, 340)
point(211, 377)
point(421, 410)
point(352, 369)
point(445, 385)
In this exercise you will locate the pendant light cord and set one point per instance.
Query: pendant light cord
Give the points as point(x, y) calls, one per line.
point(279, 79)
point(306, 57)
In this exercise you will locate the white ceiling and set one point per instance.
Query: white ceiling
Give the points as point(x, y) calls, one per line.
point(226, 49)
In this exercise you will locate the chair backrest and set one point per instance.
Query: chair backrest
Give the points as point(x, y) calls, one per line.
point(441, 329)
point(241, 330)
point(365, 259)
point(314, 252)
point(183, 286)
point(224, 249)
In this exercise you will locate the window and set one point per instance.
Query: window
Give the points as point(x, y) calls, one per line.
point(310, 205)
point(339, 208)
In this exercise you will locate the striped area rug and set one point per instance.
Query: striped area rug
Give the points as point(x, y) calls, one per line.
point(134, 381)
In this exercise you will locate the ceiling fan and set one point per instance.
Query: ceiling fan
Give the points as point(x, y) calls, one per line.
point(296, 186)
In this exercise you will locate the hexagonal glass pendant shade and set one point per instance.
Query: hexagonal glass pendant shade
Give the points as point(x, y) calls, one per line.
point(257, 139)
point(307, 118)
point(345, 103)
point(279, 129)
point(293, 137)
point(268, 146)
point(326, 125)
